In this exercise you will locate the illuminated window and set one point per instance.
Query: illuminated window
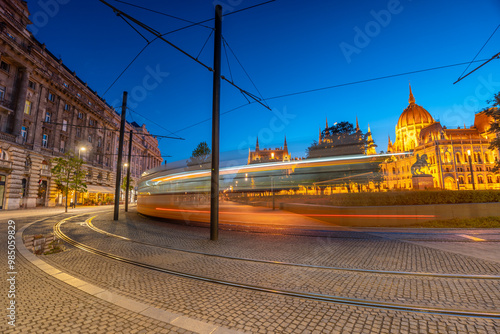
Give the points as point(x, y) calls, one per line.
point(27, 107)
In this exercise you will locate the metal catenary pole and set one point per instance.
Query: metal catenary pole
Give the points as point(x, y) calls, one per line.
point(120, 152)
point(214, 189)
point(128, 171)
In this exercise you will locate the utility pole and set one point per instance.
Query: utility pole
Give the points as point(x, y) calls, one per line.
point(120, 152)
point(214, 189)
point(128, 171)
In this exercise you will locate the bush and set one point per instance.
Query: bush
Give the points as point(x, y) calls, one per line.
point(415, 197)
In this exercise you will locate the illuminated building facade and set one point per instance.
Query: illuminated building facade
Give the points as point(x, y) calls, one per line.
point(46, 111)
point(268, 154)
point(448, 152)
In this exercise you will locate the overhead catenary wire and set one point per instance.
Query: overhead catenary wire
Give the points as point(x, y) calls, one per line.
point(477, 54)
point(160, 36)
point(113, 130)
point(159, 125)
point(497, 56)
point(243, 68)
point(331, 87)
point(164, 14)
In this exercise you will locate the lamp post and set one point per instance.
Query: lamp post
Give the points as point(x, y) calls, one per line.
point(80, 149)
point(471, 171)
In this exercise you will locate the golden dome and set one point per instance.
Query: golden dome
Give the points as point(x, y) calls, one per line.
point(414, 114)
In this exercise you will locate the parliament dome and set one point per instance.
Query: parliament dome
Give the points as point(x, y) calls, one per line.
point(414, 114)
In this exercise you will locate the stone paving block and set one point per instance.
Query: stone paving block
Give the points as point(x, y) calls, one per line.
point(194, 325)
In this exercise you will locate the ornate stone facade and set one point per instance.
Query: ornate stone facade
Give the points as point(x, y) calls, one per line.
point(45, 111)
point(268, 155)
point(417, 133)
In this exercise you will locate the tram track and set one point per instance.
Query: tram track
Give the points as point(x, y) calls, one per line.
point(89, 223)
point(283, 292)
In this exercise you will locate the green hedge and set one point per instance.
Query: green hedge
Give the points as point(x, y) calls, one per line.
point(415, 197)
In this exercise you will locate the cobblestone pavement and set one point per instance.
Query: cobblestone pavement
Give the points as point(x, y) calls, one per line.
point(46, 305)
point(476, 294)
point(246, 310)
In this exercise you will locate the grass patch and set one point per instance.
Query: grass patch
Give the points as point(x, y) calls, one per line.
point(481, 222)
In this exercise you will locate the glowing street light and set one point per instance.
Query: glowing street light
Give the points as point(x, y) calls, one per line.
point(80, 151)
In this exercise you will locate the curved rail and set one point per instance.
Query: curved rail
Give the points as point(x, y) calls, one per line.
point(304, 295)
point(368, 271)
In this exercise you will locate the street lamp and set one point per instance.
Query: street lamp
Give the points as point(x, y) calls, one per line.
point(471, 171)
point(80, 149)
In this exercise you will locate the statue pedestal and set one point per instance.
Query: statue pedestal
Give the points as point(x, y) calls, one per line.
point(421, 182)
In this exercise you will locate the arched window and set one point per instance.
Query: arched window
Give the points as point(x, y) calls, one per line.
point(458, 158)
point(489, 179)
point(486, 158)
point(480, 179)
point(461, 179)
point(447, 157)
point(469, 180)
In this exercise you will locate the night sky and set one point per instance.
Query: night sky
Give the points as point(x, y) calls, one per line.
point(286, 46)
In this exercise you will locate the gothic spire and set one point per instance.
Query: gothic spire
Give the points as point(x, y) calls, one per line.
point(257, 145)
point(286, 146)
point(411, 100)
point(357, 125)
point(326, 123)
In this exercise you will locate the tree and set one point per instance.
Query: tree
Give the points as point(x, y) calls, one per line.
point(68, 175)
point(339, 139)
point(494, 111)
point(201, 155)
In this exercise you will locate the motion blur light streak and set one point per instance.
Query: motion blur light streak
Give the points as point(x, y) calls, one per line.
point(310, 215)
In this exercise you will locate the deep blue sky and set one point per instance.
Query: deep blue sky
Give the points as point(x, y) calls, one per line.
point(286, 46)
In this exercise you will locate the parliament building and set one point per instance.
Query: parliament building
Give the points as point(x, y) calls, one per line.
point(447, 150)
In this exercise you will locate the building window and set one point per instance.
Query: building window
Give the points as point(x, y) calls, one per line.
point(91, 122)
point(78, 94)
point(2, 93)
point(51, 97)
point(4, 66)
point(80, 115)
point(65, 84)
point(490, 179)
point(27, 107)
point(66, 107)
point(90, 139)
point(31, 85)
point(24, 133)
point(480, 179)
point(65, 125)
point(78, 132)
point(63, 144)
point(45, 140)
point(99, 142)
point(47, 117)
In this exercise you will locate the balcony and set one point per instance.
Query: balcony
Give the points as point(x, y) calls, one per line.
point(7, 105)
point(6, 165)
point(7, 137)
